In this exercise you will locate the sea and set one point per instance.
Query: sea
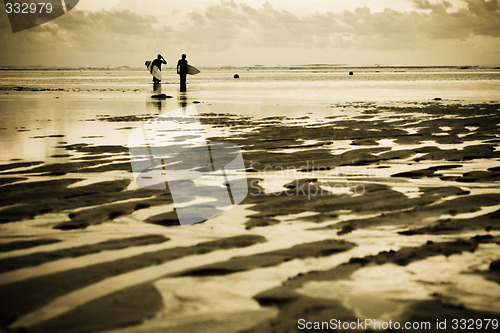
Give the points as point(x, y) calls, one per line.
point(68, 102)
point(303, 83)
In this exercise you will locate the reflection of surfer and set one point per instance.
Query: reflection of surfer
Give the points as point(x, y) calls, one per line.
point(182, 66)
point(157, 62)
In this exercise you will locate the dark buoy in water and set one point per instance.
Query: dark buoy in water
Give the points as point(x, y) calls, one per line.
point(236, 76)
point(351, 73)
point(160, 96)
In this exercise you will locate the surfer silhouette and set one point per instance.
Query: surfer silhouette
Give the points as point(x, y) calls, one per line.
point(182, 66)
point(157, 62)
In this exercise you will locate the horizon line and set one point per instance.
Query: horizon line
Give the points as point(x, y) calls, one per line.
point(256, 66)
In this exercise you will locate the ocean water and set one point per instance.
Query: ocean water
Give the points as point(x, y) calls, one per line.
point(297, 84)
point(41, 108)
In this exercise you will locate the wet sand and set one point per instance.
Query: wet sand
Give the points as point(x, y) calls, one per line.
point(355, 210)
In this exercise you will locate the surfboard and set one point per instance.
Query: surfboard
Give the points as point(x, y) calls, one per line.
point(192, 70)
point(154, 70)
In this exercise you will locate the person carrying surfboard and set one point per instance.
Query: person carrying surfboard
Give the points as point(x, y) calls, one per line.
point(182, 69)
point(157, 62)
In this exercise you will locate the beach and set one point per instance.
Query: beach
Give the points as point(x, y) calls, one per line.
point(370, 196)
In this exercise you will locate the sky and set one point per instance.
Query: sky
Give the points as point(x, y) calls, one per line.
point(272, 32)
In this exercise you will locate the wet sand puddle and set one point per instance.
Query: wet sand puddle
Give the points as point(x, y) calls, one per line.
point(392, 218)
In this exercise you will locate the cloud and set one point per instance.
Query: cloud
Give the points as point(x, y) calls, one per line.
point(436, 6)
point(232, 30)
point(267, 26)
point(77, 35)
point(479, 17)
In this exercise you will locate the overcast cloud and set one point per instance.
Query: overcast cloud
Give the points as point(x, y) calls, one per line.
point(239, 33)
